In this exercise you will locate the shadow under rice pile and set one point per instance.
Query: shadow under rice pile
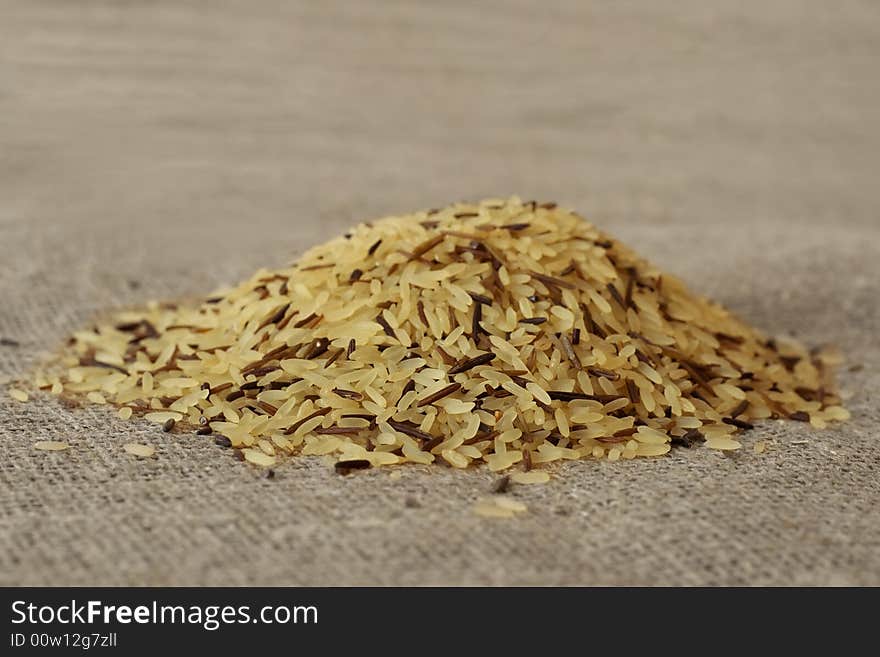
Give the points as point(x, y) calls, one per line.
point(510, 333)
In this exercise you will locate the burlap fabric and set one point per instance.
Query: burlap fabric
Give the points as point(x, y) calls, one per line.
point(156, 149)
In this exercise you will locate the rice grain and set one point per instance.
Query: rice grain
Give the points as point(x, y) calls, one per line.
point(496, 333)
point(18, 395)
point(137, 449)
point(51, 445)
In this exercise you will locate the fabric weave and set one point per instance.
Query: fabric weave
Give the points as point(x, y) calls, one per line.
point(150, 150)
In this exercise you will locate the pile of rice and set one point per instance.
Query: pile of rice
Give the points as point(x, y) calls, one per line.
point(510, 333)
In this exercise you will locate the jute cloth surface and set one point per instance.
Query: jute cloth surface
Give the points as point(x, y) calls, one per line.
point(157, 149)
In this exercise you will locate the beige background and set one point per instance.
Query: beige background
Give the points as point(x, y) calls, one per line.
point(158, 148)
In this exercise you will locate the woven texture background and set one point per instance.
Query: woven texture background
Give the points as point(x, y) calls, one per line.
point(157, 149)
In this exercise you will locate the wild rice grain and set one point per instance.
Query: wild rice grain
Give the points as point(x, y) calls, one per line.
point(608, 374)
point(739, 424)
point(612, 289)
point(471, 363)
point(477, 317)
point(347, 467)
point(569, 352)
point(410, 430)
point(551, 280)
point(348, 394)
point(740, 408)
point(440, 394)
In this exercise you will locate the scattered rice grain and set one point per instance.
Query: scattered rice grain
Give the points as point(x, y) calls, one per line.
point(138, 449)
